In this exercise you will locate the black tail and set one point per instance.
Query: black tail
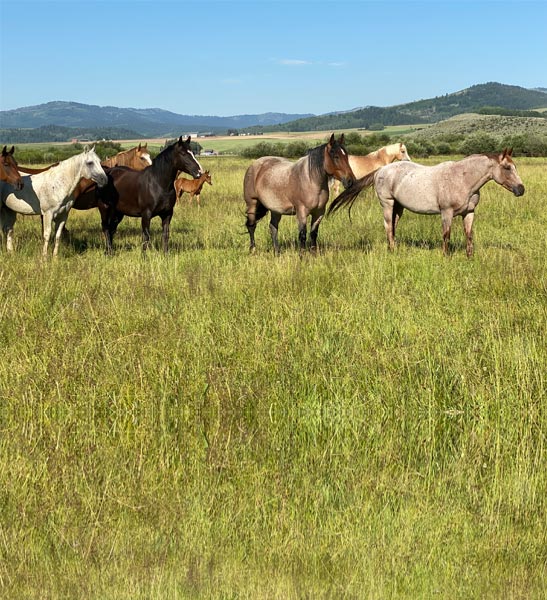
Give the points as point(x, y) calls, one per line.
point(349, 195)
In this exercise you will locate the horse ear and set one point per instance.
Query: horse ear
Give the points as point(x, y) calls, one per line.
point(145, 145)
point(12, 150)
point(86, 148)
point(188, 139)
point(510, 152)
point(180, 140)
point(342, 139)
point(331, 141)
point(139, 146)
point(4, 150)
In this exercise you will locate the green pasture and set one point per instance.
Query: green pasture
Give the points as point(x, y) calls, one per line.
point(210, 424)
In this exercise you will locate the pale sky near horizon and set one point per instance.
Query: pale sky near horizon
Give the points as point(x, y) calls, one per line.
point(223, 57)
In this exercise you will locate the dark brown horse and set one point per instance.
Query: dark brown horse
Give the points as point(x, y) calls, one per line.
point(8, 169)
point(146, 194)
point(296, 188)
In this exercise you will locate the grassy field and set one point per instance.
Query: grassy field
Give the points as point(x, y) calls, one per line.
point(210, 424)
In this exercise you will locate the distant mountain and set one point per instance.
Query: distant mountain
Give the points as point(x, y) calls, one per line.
point(147, 122)
point(425, 111)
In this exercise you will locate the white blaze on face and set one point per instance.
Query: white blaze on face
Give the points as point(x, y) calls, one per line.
point(197, 162)
point(146, 158)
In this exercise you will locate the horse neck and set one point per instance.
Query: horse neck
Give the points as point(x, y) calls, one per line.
point(480, 173)
point(164, 169)
point(313, 168)
point(68, 172)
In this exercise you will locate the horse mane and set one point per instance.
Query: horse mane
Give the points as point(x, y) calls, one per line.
point(163, 162)
point(316, 160)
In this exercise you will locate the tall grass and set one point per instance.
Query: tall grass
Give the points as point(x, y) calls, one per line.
point(210, 424)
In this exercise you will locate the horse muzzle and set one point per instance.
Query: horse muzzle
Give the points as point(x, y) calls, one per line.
point(518, 190)
point(347, 182)
point(101, 180)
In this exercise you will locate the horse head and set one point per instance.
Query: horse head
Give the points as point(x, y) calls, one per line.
point(8, 169)
point(207, 177)
point(91, 167)
point(505, 173)
point(143, 155)
point(184, 159)
point(403, 154)
point(336, 161)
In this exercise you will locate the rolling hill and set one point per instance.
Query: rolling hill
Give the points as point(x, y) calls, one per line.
point(436, 109)
point(61, 121)
point(146, 122)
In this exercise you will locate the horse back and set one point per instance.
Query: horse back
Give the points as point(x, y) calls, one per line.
point(136, 192)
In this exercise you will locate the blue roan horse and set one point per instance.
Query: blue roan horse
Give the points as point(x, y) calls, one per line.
point(296, 188)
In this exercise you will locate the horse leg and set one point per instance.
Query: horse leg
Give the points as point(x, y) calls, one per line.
point(468, 229)
point(110, 219)
point(145, 224)
point(301, 218)
point(48, 220)
point(7, 221)
point(314, 229)
point(446, 219)
point(197, 200)
point(166, 222)
point(255, 211)
point(389, 209)
point(59, 226)
point(274, 227)
point(397, 213)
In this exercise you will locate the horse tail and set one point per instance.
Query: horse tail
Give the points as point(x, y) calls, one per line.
point(349, 195)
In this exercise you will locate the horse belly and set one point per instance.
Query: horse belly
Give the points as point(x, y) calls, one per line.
point(277, 202)
point(24, 202)
point(415, 195)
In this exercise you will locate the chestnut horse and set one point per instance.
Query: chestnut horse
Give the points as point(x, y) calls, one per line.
point(137, 158)
point(450, 189)
point(192, 186)
point(363, 165)
point(296, 188)
point(8, 169)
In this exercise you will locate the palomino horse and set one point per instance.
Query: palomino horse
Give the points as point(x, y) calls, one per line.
point(49, 194)
point(363, 165)
point(147, 193)
point(449, 189)
point(296, 188)
point(8, 169)
point(192, 186)
point(136, 158)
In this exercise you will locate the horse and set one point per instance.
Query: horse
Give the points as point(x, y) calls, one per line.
point(192, 186)
point(8, 169)
point(296, 188)
point(450, 189)
point(49, 194)
point(363, 165)
point(136, 158)
point(146, 193)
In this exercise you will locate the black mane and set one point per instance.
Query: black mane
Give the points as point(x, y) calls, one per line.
point(316, 160)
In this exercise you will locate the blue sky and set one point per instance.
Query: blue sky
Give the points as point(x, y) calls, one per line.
point(228, 58)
